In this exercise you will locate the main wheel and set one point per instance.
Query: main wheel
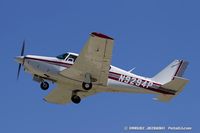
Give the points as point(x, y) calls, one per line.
point(44, 85)
point(87, 86)
point(76, 99)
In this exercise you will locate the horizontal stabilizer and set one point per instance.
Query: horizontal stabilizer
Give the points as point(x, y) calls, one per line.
point(163, 98)
point(177, 84)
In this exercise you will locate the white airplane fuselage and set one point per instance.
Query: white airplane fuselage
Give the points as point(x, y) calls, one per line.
point(78, 76)
point(119, 80)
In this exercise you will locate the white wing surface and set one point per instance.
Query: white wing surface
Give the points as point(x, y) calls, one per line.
point(94, 59)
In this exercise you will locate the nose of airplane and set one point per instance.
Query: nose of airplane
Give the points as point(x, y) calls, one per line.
point(19, 59)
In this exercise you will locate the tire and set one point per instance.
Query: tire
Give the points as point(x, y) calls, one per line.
point(44, 85)
point(76, 99)
point(86, 86)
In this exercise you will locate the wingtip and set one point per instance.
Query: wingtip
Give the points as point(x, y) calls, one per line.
point(101, 35)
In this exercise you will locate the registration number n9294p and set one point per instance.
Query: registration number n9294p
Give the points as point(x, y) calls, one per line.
point(135, 81)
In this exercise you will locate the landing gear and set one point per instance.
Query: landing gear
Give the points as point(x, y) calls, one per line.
point(44, 85)
point(76, 99)
point(87, 85)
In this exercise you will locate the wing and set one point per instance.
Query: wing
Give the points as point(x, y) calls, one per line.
point(94, 59)
point(63, 92)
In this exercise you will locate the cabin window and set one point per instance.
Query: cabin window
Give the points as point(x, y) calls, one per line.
point(72, 58)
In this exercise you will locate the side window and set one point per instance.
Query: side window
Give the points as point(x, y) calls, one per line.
point(71, 58)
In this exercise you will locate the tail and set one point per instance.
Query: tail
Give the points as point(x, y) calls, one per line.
point(171, 79)
point(176, 68)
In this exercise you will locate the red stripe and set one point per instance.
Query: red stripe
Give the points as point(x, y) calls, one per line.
point(114, 78)
point(114, 73)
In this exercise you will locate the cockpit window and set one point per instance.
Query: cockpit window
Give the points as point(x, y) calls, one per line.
point(62, 56)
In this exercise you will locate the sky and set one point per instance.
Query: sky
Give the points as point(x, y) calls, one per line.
point(148, 35)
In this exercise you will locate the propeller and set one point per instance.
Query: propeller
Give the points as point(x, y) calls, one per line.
point(21, 56)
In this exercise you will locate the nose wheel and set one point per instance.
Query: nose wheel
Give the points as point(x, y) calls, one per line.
point(44, 85)
point(76, 99)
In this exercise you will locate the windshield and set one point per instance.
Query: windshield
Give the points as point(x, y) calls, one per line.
point(62, 56)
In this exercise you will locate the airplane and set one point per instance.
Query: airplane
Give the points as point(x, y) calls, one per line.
point(90, 72)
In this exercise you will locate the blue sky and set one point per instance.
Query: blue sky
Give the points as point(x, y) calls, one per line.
point(148, 35)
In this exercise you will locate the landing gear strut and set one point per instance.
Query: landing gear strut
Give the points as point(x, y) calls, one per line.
point(87, 85)
point(44, 85)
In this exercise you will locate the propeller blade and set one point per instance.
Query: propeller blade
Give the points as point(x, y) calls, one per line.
point(18, 72)
point(23, 47)
point(22, 54)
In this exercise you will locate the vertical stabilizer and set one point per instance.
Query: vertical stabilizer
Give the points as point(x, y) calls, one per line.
point(176, 68)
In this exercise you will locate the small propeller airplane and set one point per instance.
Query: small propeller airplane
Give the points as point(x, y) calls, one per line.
point(90, 72)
